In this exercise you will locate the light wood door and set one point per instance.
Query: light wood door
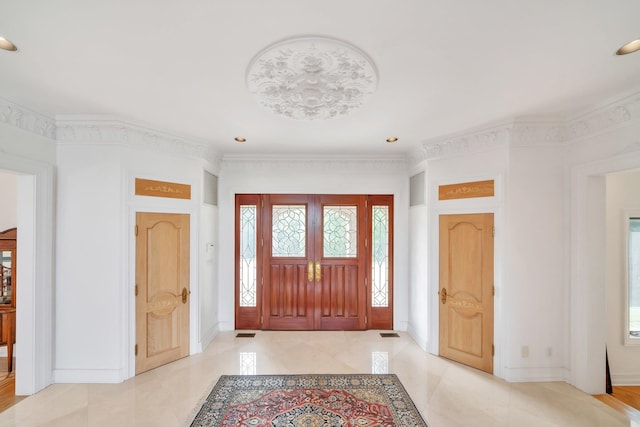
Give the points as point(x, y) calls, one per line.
point(466, 289)
point(162, 289)
point(314, 262)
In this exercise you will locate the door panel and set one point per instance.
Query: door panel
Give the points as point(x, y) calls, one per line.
point(466, 289)
point(162, 281)
point(340, 244)
point(288, 249)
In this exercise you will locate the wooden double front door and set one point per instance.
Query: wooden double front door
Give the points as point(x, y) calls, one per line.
point(313, 262)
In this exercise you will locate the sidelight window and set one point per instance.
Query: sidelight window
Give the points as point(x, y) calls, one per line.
point(380, 257)
point(248, 259)
point(634, 277)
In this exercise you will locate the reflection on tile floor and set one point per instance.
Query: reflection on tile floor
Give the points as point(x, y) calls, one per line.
point(447, 394)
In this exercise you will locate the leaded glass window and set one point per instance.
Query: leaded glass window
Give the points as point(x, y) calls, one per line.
point(380, 256)
point(248, 261)
point(634, 277)
point(289, 231)
point(340, 231)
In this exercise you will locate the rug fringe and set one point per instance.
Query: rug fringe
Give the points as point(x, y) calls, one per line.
point(194, 412)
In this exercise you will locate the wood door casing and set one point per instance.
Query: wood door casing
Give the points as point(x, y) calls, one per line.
point(162, 287)
point(466, 289)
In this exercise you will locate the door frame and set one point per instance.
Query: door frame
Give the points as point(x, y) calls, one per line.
point(483, 205)
point(374, 317)
point(35, 307)
point(128, 294)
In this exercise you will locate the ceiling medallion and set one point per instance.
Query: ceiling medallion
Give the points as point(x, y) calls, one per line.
point(312, 78)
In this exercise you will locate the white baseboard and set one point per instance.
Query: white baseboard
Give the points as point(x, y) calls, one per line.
point(226, 326)
point(417, 337)
point(524, 375)
point(81, 376)
point(625, 379)
point(208, 336)
point(400, 325)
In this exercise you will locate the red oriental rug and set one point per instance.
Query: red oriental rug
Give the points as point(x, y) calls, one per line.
point(308, 401)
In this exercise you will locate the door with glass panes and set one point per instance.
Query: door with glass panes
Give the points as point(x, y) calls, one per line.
point(313, 262)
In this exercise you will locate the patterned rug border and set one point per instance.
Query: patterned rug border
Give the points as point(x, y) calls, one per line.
point(282, 381)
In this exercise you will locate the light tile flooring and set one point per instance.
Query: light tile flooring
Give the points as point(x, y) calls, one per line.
point(447, 394)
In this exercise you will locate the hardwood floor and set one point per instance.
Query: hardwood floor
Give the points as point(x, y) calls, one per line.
point(625, 399)
point(8, 396)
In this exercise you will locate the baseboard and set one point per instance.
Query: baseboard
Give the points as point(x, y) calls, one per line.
point(208, 337)
point(226, 326)
point(625, 379)
point(525, 375)
point(80, 376)
point(417, 337)
point(400, 325)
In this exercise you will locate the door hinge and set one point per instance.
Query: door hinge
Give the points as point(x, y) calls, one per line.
point(261, 242)
point(136, 229)
point(366, 320)
point(366, 243)
point(261, 320)
point(136, 290)
point(136, 349)
point(366, 203)
point(493, 350)
point(494, 231)
point(262, 280)
point(493, 291)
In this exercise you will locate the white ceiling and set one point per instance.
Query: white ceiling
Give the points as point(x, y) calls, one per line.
point(444, 66)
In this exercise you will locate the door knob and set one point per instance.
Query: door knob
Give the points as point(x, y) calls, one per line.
point(318, 271)
point(443, 295)
point(185, 294)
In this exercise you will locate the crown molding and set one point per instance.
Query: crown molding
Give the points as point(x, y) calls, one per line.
point(610, 116)
point(316, 163)
point(107, 130)
point(463, 143)
point(25, 119)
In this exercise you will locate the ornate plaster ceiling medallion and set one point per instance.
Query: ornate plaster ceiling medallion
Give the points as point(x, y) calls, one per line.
point(312, 78)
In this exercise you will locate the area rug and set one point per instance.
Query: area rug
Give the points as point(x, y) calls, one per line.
point(308, 401)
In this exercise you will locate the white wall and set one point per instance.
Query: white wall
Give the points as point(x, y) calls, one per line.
point(535, 289)
point(312, 176)
point(96, 213)
point(623, 193)
point(9, 198)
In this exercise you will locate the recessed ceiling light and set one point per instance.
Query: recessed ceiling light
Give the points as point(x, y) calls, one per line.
point(240, 139)
point(630, 47)
point(7, 45)
point(392, 139)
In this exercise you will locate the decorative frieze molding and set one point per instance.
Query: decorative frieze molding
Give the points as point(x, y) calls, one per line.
point(604, 118)
point(72, 131)
point(473, 142)
point(527, 132)
point(315, 163)
point(25, 119)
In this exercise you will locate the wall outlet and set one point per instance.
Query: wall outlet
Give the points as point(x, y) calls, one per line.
point(524, 351)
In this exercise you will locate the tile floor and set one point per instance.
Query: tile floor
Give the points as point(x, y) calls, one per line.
point(447, 394)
